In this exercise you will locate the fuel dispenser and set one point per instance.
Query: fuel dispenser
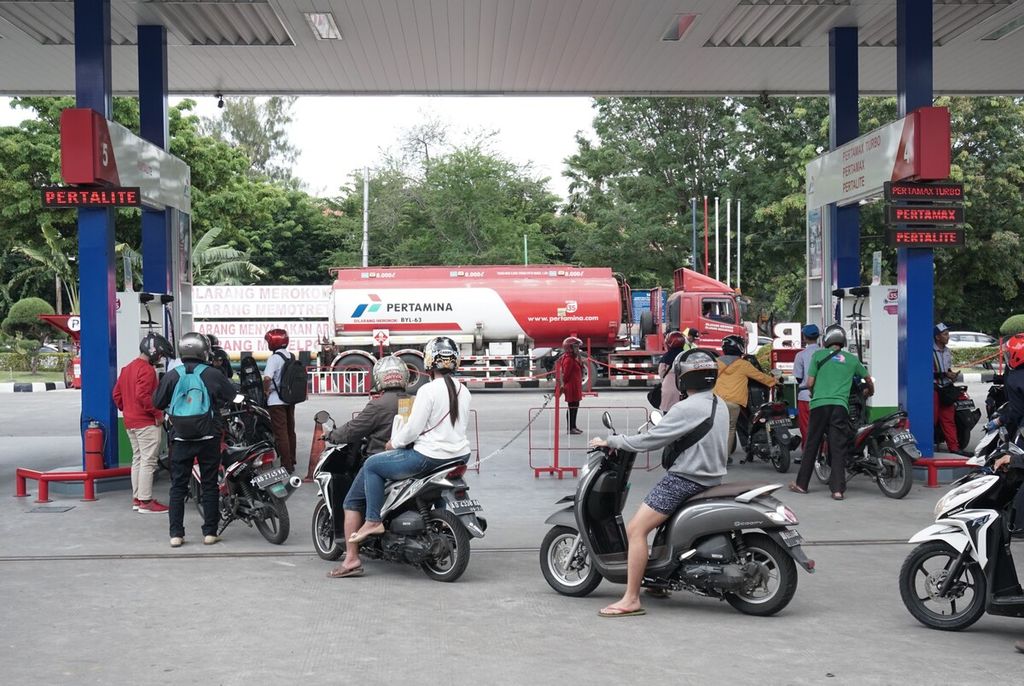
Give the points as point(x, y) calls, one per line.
point(137, 314)
point(870, 315)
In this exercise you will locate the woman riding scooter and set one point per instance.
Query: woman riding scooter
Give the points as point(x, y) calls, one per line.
point(698, 467)
point(435, 432)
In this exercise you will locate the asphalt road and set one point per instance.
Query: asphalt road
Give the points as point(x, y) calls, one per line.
point(95, 595)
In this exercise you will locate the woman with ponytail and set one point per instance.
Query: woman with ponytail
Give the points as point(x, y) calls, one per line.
point(435, 431)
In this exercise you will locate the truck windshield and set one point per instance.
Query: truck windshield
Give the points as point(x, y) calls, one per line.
point(719, 310)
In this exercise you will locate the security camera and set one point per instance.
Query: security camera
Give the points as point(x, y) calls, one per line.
point(220, 100)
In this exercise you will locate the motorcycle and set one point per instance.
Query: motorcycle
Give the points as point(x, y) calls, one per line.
point(963, 566)
point(966, 415)
point(733, 542)
point(428, 518)
point(767, 434)
point(884, 450)
point(250, 487)
point(996, 396)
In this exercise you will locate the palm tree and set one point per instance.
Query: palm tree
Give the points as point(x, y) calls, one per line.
point(53, 259)
point(212, 265)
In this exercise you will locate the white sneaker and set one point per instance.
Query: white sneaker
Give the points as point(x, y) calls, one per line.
point(176, 541)
point(210, 540)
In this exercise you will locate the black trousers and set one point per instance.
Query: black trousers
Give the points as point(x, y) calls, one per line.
point(574, 409)
point(835, 419)
point(183, 454)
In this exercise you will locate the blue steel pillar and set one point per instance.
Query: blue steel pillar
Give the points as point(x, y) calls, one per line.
point(844, 126)
point(96, 235)
point(156, 239)
point(915, 267)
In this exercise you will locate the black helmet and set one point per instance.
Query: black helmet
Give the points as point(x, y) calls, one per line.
point(214, 341)
point(733, 345)
point(441, 353)
point(154, 346)
point(834, 335)
point(194, 346)
point(696, 370)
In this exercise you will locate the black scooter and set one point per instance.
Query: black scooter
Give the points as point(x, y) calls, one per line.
point(732, 542)
point(767, 431)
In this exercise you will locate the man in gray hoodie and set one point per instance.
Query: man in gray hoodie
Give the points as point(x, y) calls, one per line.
point(697, 467)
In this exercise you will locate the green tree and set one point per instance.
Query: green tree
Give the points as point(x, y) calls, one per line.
point(259, 130)
point(633, 185)
point(52, 259)
point(23, 319)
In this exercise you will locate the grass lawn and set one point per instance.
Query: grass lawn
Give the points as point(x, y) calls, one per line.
point(26, 377)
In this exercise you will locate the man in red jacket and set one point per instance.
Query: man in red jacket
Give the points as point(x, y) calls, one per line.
point(133, 395)
point(569, 379)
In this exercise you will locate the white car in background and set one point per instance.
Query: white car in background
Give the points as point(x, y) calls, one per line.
point(970, 339)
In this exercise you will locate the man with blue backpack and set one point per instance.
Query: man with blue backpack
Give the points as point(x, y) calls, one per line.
point(191, 394)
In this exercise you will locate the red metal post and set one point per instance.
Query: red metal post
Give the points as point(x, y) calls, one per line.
point(20, 491)
point(554, 458)
point(88, 489)
point(44, 491)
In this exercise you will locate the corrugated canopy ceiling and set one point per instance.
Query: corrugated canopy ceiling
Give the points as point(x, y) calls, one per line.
point(556, 47)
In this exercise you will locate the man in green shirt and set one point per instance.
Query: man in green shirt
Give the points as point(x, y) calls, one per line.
point(829, 378)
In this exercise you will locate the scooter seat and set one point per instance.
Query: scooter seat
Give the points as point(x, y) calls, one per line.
point(446, 464)
point(726, 490)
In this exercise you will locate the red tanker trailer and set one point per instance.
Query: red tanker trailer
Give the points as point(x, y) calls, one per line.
point(510, 320)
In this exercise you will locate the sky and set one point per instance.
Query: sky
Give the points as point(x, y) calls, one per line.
point(336, 136)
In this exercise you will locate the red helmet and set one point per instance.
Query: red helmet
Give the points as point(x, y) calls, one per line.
point(276, 339)
point(1015, 351)
point(571, 343)
point(674, 339)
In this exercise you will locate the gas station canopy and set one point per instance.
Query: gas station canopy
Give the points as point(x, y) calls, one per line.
point(547, 47)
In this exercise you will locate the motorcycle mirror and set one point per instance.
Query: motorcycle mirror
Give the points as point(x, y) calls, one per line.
point(606, 419)
point(239, 399)
point(655, 418)
point(322, 417)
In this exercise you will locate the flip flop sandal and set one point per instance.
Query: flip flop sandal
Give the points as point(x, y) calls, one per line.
point(359, 538)
point(619, 612)
point(346, 573)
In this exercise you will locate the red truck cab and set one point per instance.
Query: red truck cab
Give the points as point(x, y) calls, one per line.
point(705, 304)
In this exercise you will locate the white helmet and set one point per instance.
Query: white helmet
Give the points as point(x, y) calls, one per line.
point(390, 372)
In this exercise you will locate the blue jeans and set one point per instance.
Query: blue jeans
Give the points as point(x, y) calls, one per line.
point(367, 491)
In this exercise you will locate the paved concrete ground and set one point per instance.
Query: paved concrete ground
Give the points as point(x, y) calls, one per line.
point(95, 595)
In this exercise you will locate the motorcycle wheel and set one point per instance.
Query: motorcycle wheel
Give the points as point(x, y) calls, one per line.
point(453, 562)
point(274, 527)
point(553, 551)
point(896, 474)
point(919, 585)
point(781, 463)
point(780, 585)
point(325, 542)
point(822, 466)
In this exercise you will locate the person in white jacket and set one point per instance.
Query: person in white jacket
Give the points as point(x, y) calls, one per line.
point(435, 432)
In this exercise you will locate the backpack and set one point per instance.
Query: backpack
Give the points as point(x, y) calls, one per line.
point(190, 407)
point(292, 387)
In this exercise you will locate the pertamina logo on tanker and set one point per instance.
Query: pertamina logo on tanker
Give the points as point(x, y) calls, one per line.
point(393, 309)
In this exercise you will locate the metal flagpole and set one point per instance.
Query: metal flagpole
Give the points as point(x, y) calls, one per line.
point(728, 242)
point(739, 243)
point(693, 217)
point(717, 260)
point(707, 254)
point(526, 251)
point(366, 216)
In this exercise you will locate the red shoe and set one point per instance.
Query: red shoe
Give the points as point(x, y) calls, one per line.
point(135, 504)
point(152, 507)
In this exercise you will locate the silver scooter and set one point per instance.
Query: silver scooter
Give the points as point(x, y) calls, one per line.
point(733, 542)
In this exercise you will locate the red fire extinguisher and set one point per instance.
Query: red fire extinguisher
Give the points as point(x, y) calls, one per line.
point(94, 446)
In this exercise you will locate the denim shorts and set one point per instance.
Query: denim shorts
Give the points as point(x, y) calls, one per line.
point(671, 492)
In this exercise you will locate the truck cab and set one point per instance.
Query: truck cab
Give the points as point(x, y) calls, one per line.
point(701, 302)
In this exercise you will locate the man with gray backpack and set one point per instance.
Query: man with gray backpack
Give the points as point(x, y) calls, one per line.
point(191, 394)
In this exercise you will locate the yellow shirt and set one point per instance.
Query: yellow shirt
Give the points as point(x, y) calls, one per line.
point(732, 381)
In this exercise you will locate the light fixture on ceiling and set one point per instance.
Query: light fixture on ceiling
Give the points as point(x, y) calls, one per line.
point(220, 100)
point(1006, 29)
point(678, 27)
point(323, 25)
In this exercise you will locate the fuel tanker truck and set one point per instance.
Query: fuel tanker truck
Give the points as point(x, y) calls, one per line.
point(510, 320)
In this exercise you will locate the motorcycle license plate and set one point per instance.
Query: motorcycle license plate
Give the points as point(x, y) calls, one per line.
point(270, 477)
point(464, 506)
point(903, 437)
point(779, 421)
point(791, 538)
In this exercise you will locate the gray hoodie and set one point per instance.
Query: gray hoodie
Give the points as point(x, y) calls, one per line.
point(705, 461)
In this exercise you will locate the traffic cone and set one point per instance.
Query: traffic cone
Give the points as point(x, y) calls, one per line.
point(316, 447)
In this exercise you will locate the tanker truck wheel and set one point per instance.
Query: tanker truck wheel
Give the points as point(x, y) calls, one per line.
point(356, 363)
point(417, 373)
point(647, 325)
